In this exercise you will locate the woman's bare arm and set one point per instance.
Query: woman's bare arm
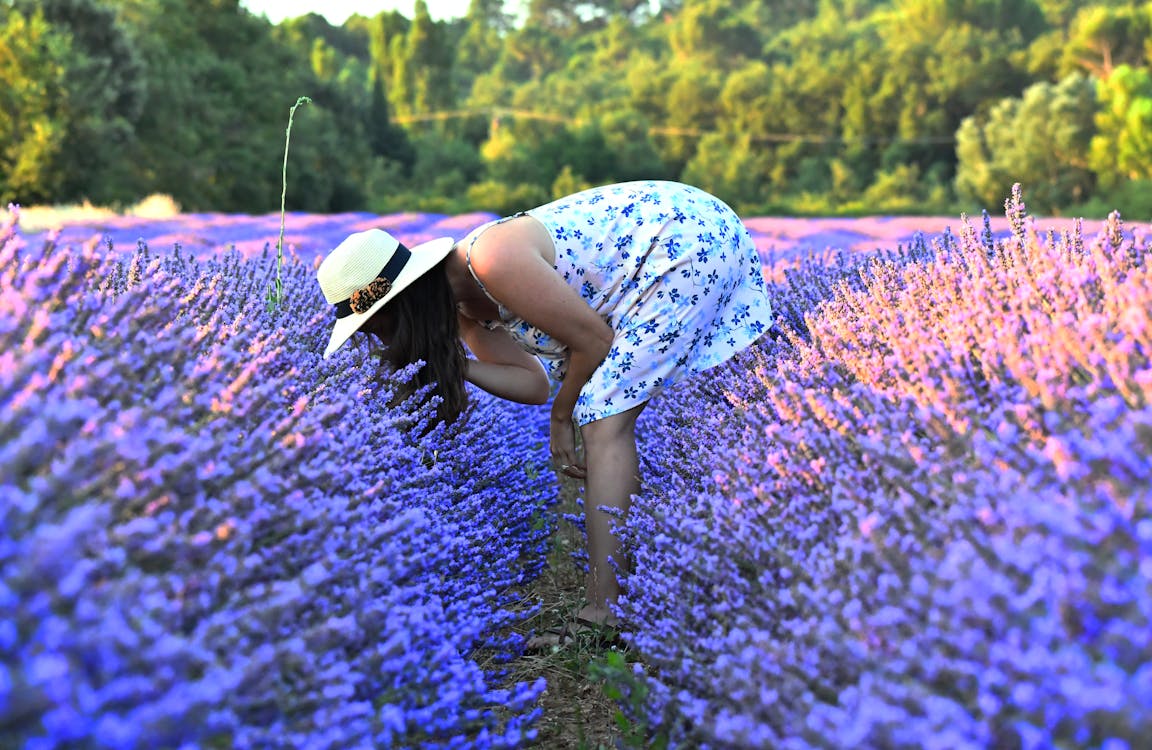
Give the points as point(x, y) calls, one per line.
point(501, 367)
point(510, 259)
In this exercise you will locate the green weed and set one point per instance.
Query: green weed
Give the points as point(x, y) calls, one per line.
point(276, 292)
point(622, 685)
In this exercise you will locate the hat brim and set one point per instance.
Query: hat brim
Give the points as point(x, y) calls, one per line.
point(424, 257)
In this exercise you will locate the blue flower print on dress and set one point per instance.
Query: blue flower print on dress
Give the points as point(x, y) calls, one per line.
point(671, 268)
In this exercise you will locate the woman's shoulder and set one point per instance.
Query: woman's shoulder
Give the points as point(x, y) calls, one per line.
point(509, 241)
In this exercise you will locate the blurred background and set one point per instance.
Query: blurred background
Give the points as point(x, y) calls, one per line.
point(780, 107)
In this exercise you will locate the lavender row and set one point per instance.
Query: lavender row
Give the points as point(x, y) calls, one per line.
point(925, 522)
point(210, 537)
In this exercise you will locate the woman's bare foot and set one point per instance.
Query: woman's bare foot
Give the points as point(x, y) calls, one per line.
point(597, 616)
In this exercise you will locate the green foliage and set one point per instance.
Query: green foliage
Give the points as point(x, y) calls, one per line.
point(627, 138)
point(530, 53)
point(478, 49)
point(34, 60)
point(438, 180)
point(626, 686)
point(386, 139)
point(422, 67)
point(693, 104)
point(211, 125)
point(1024, 17)
point(1122, 148)
point(568, 182)
point(1041, 140)
point(710, 30)
point(1105, 36)
point(933, 80)
point(1133, 199)
point(798, 105)
point(105, 91)
point(501, 198)
point(732, 169)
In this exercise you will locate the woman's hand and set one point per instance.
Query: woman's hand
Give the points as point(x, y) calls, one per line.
point(562, 440)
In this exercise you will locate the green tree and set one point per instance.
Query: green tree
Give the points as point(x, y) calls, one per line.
point(1060, 13)
point(850, 10)
point(1041, 140)
point(34, 62)
point(510, 161)
point(628, 140)
point(325, 61)
point(485, 27)
point(1122, 148)
point(386, 32)
point(560, 17)
point(1023, 16)
point(732, 168)
point(710, 30)
point(352, 86)
point(531, 53)
point(569, 18)
point(422, 72)
point(1104, 37)
point(386, 139)
point(794, 102)
point(106, 83)
point(782, 13)
point(693, 105)
point(348, 40)
point(930, 81)
point(212, 130)
point(843, 100)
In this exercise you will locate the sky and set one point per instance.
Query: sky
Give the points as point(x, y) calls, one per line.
point(337, 11)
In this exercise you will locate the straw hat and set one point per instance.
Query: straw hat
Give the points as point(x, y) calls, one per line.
point(366, 271)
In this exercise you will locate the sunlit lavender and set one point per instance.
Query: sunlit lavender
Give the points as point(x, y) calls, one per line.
point(921, 521)
point(916, 517)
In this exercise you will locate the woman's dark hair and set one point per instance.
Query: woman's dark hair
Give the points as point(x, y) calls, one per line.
point(420, 323)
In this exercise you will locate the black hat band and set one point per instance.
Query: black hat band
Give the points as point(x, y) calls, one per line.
point(363, 299)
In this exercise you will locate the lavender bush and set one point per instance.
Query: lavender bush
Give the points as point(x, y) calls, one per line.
point(210, 537)
point(922, 520)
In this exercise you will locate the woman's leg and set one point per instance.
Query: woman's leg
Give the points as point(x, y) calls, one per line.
point(613, 477)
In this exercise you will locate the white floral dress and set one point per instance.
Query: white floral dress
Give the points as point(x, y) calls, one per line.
point(669, 267)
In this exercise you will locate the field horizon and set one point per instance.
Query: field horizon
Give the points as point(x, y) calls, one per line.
point(782, 241)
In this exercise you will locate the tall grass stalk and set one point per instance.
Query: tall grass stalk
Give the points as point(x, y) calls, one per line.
point(276, 293)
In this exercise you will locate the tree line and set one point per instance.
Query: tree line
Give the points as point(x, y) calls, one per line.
point(777, 106)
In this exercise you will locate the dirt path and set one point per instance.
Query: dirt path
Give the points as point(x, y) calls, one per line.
point(577, 715)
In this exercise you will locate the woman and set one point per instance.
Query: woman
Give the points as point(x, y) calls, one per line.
point(618, 291)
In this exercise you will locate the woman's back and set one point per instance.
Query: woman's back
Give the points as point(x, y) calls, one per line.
point(671, 268)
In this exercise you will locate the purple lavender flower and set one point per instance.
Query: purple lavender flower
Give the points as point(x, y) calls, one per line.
point(919, 518)
point(210, 536)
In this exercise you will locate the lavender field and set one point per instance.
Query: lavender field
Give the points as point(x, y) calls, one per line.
point(921, 518)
